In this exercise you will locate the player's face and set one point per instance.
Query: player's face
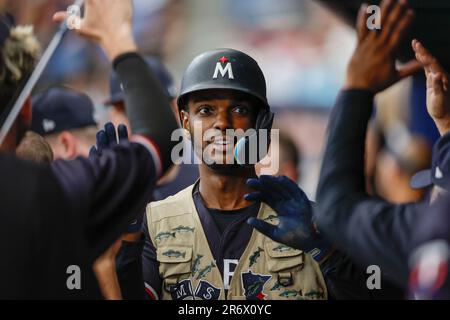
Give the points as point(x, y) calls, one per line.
point(212, 113)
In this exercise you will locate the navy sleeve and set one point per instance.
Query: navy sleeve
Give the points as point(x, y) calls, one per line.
point(150, 267)
point(112, 189)
point(346, 280)
point(147, 106)
point(371, 230)
point(129, 270)
point(138, 268)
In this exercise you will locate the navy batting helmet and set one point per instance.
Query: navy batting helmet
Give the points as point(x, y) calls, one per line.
point(224, 69)
point(235, 70)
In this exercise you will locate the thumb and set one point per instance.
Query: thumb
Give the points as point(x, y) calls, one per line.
point(60, 16)
point(265, 228)
point(409, 68)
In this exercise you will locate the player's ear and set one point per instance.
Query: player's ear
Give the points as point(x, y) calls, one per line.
point(185, 123)
point(69, 145)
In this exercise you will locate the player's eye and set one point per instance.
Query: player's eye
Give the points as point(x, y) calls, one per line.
point(204, 110)
point(240, 110)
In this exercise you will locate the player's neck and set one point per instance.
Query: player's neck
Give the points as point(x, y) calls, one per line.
point(225, 192)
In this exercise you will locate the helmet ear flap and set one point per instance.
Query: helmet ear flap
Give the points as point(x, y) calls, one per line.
point(242, 150)
point(264, 119)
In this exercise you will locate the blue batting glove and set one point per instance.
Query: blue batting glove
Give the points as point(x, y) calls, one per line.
point(107, 138)
point(295, 228)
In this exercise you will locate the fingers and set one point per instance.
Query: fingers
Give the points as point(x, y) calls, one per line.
point(107, 137)
point(60, 16)
point(292, 188)
point(409, 68)
point(254, 184)
point(258, 196)
point(361, 22)
point(122, 132)
point(93, 152)
point(392, 20)
point(102, 140)
point(398, 34)
point(254, 196)
point(111, 133)
point(265, 192)
point(265, 228)
point(274, 186)
point(429, 62)
point(386, 7)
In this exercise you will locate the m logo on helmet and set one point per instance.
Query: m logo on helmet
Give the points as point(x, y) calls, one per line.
point(223, 70)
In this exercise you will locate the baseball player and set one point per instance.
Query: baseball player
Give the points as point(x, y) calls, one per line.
point(372, 230)
point(63, 205)
point(430, 251)
point(198, 244)
point(65, 118)
point(348, 213)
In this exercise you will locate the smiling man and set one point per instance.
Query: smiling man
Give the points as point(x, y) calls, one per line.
point(198, 244)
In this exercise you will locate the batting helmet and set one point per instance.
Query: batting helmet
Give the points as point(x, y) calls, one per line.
point(235, 70)
point(224, 69)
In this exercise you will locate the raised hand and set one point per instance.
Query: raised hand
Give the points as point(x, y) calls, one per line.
point(372, 65)
point(295, 228)
point(438, 90)
point(107, 138)
point(108, 23)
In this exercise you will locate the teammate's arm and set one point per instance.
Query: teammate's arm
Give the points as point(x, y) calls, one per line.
point(371, 230)
point(109, 23)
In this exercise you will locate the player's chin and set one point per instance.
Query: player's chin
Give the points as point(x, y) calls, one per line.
point(225, 169)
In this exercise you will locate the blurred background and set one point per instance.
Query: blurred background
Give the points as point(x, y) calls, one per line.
point(302, 46)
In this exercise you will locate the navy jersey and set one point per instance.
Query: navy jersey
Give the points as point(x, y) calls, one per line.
point(66, 214)
point(371, 230)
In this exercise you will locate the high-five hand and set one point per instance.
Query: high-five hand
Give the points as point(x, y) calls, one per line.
point(372, 65)
point(107, 22)
point(438, 89)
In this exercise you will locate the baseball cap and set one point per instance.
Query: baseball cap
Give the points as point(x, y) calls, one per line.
point(439, 173)
point(161, 73)
point(59, 109)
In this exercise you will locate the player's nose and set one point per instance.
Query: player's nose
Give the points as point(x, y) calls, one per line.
point(222, 121)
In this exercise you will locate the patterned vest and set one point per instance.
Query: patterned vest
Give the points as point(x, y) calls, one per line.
point(266, 270)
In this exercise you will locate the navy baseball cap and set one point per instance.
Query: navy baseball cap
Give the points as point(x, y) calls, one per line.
point(439, 174)
point(59, 109)
point(6, 24)
point(161, 73)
